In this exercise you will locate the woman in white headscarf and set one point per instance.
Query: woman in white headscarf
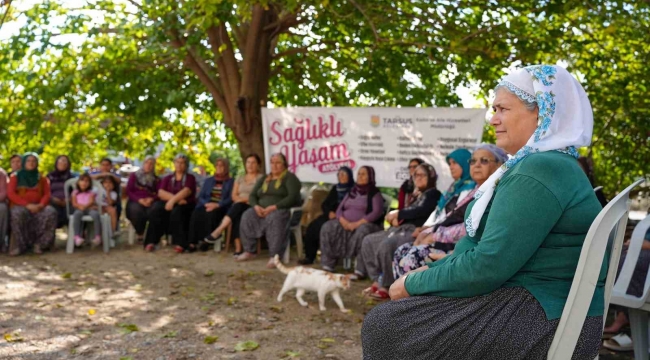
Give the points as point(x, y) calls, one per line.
point(500, 295)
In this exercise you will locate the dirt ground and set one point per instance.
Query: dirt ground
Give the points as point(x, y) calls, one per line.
point(129, 304)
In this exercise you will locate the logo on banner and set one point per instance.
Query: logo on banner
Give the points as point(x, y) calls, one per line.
point(398, 122)
point(375, 120)
point(327, 156)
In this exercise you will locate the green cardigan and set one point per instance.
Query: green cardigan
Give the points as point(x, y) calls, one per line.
point(530, 236)
point(284, 197)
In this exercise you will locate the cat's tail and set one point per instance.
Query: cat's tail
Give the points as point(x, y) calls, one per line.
point(279, 265)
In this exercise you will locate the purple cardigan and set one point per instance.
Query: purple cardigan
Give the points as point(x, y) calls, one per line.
point(355, 209)
point(136, 192)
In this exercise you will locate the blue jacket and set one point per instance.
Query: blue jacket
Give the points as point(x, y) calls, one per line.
point(206, 190)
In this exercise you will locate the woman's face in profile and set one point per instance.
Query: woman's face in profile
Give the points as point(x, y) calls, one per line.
point(456, 169)
point(513, 123)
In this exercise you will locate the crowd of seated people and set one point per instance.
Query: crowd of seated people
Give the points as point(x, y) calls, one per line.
point(33, 206)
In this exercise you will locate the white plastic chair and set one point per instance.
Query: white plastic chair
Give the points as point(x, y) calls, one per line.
point(106, 235)
point(610, 223)
point(638, 306)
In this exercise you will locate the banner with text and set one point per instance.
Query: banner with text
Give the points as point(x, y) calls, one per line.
point(318, 141)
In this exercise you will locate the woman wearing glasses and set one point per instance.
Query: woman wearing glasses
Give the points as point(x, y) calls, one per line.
point(445, 227)
point(407, 192)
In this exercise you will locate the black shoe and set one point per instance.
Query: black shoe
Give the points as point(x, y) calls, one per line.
point(235, 254)
point(212, 240)
point(306, 261)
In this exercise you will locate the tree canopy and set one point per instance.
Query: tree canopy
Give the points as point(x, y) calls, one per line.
point(193, 74)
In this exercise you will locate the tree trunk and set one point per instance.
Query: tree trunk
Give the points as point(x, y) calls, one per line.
point(252, 142)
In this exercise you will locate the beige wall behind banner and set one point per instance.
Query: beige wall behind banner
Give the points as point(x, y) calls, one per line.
point(317, 141)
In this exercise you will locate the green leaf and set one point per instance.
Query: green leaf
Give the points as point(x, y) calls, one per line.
point(128, 328)
point(66, 275)
point(170, 334)
point(210, 339)
point(248, 345)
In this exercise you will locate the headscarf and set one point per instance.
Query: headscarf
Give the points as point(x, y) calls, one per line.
point(432, 176)
point(367, 188)
point(187, 167)
point(465, 182)
point(146, 179)
point(278, 181)
point(565, 122)
point(28, 178)
point(370, 189)
point(58, 175)
point(344, 189)
point(226, 173)
point(408, 186)
point(498, 153)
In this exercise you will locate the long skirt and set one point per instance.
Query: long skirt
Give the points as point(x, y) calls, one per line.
point(33, 229)
point(4, 222)
point(274, 227)
point(508, 323)
point(175, 222)
point(312, 236)
point(375, 259)
point(203, 222)
point(337, 243)
point(235, 213)
point(62, 214)
point(138, 215)
point(409, 257)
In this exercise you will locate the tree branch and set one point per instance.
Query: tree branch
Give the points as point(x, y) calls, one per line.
point(370, 23)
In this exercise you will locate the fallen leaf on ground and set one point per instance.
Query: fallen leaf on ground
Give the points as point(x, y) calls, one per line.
point(126, 358)
point(210, 339)
point(293, 354)
point(246, 346)
point(66, 275)
point(13, 338)
point(208, 273)
point(171, 334)
point(128, 328)
point(276, 309)
point(327, 340)
point(232, 301)
point(91, 312)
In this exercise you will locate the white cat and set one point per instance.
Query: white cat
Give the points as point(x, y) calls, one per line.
point(322, 282)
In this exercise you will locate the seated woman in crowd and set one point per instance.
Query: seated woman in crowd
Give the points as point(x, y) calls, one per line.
point(406, 190)
point(4, 210)
point(16, 162)
point(84, 203)
point(57, 178)
point(33, 220)
point(271, 199)
point(141, 190)
point(501, 294)
point(214, 201)
point(172, 211)
point(329, 206)
point(359, 214)
point(240, 196)
point(437, 240)
point(376, 256)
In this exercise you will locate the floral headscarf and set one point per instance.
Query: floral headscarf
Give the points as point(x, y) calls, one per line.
point(565, 122)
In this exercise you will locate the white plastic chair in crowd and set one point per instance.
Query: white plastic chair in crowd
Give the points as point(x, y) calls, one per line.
point(638, 306)
point(106, 235)
point(608, 225)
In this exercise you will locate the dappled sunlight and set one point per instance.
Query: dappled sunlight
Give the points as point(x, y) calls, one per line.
point(130, 303)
